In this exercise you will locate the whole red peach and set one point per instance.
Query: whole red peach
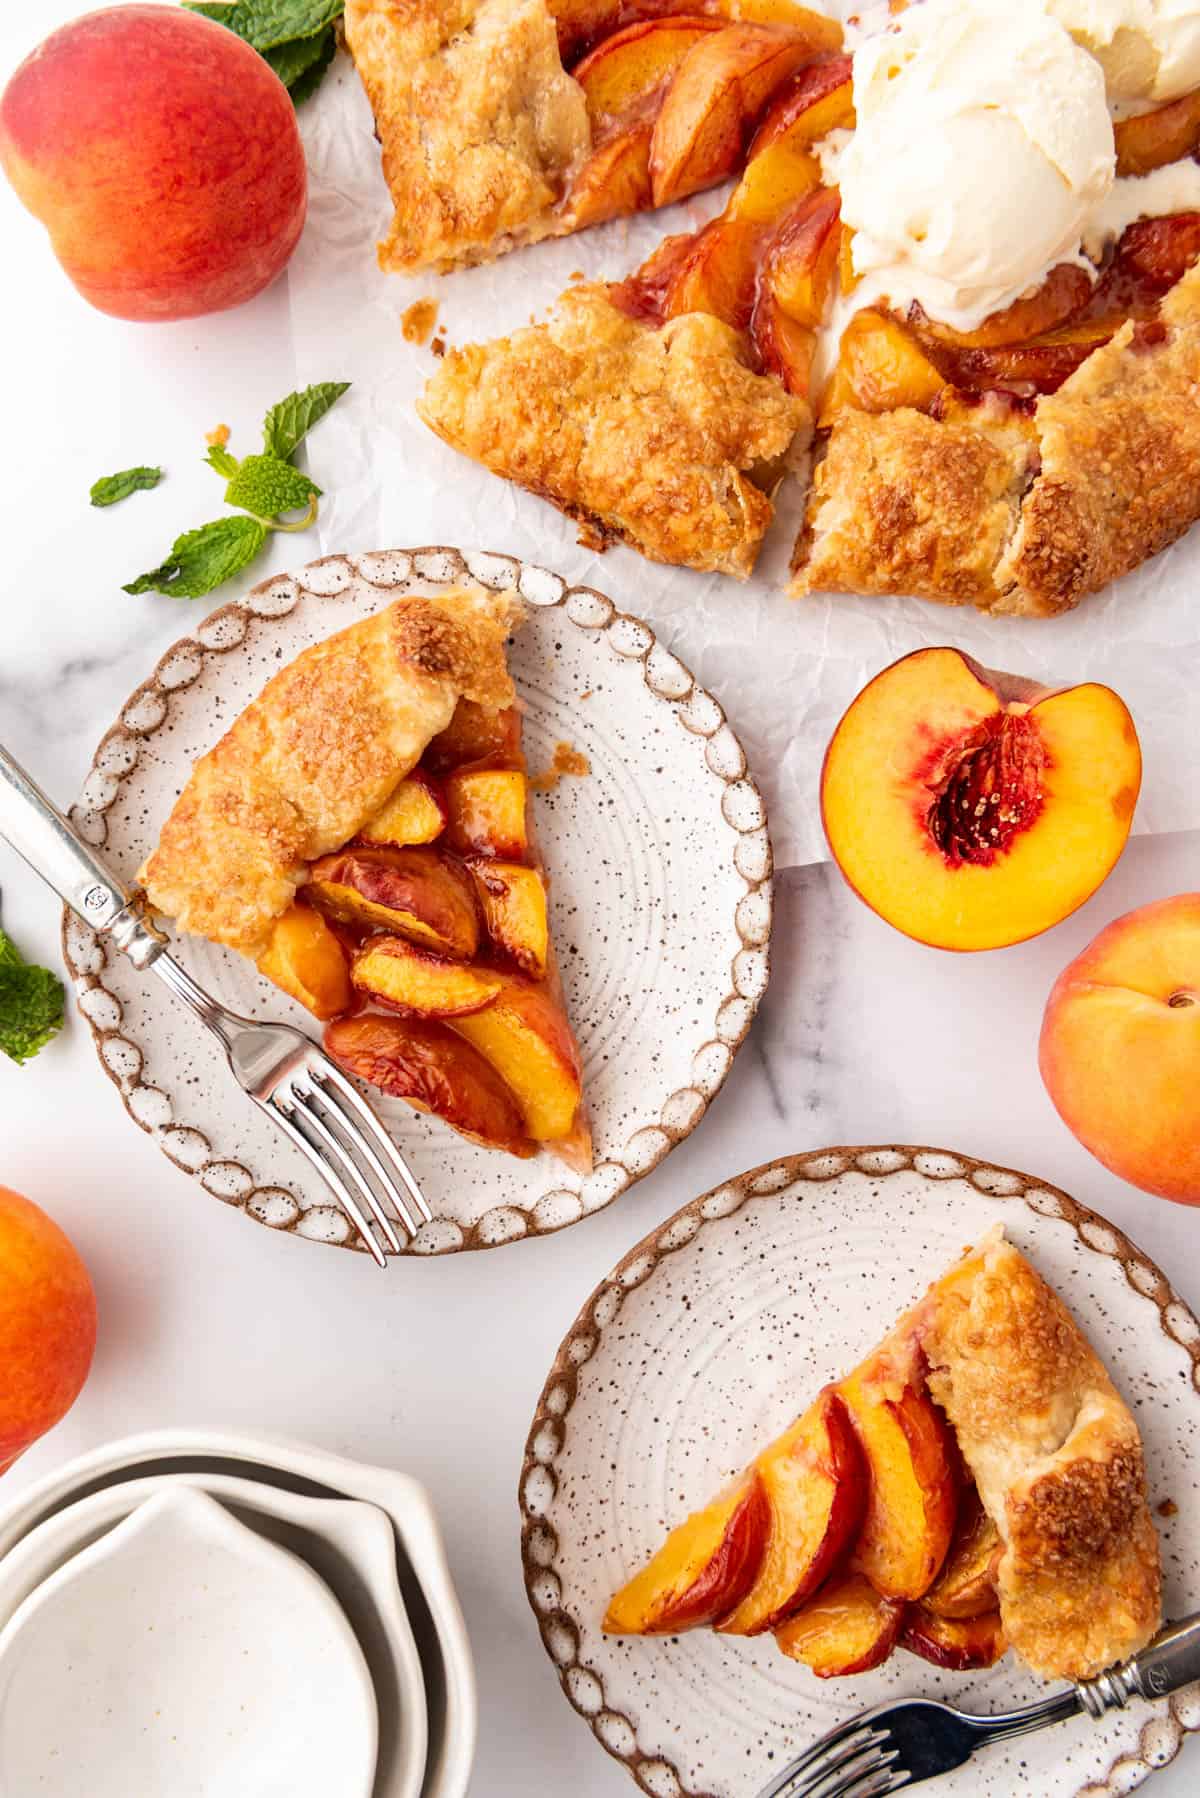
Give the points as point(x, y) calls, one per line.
point(47, 1324)
point(1120, 1047)
point(161, 154)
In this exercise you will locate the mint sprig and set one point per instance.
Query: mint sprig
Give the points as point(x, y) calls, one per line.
point(265, 487)
point(113, 487)
point(31, 1004)
point(295, 36)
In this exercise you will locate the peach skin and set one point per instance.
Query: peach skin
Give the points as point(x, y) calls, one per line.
point(704, 1567)
point(972, 809)
point(1120, 1048)
point(162, 155)
point(47, 1324)
point(846, 1628)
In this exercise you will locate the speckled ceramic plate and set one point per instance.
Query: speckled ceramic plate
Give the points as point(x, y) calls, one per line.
point(661, 909)
point(705, 1342)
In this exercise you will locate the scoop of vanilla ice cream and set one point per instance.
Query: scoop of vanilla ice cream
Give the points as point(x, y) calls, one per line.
point(1148, 49)
point(983, 141)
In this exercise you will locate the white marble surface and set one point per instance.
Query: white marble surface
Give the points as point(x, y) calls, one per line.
point(434, 1367)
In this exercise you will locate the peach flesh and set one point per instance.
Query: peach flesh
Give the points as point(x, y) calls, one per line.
point(1120, 1047)
point(162, 155)
point(972, 810)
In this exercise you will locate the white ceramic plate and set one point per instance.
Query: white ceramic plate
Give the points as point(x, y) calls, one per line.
point(349, 1544)
point(661, 869)
point(182, 1653)
point(706, 1341)
point(429, 1595)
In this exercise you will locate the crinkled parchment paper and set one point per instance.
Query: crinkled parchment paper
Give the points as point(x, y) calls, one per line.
point(784, 669)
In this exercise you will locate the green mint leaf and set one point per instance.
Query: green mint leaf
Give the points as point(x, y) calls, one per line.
point(113, 487)
point(291, 61)
point(304, 85)
point(31, 1004)
point(287, 424)
point(266, 486)
point(218, 457)
point(201, 560)
point(268, 23)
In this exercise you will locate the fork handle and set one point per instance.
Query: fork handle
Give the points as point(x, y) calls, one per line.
point(40, 834)
point(1170, 1661)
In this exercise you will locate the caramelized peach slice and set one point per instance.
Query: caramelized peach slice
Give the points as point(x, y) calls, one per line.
point(397, 974)
point(880, 367)
point(512, 899)
point(710, 107)
point(910, 1453)
point(847, 1628)
point(717, 274)
point(433, 1070)
point(959, 1644)
point(966, 1586)
point(785, 348)
point(1065, 289)
point(972, 810)
point(413, 892)
point(848, 279)
point(475, 734)
point(306, 960)
point(818, 101)
point(415, 813)
point(615, 179)
point(703, 1568)
point(816, 1480)
point(798, 268)
point(525, 1036)
point(486, 808)
point(1153, 139)
point(1159, 252)
point(772, 183)
point(628, 66)
point(823, 34)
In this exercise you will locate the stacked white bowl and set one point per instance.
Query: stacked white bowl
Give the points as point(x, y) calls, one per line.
point(213, 1616)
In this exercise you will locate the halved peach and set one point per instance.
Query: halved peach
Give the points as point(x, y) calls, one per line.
point(785, 348)
point(880, 367)
point(306, 960)
point(847, 1628)
point(629, 65)
point(816, 1480)
point(1152, 139)
point(798, 267)
point(971, 809)
point(477, 734)
point(512, 899)
point(913, 1475)
point(966, 1585)
point(702, 1569)
point(486, 812)
point(713, 101)
point(433, 1070)
point(406, 979)
point(957, 1643)
point(773, 182)
point(413, 892)
point(615, 179)
point(415, 813)
point(526, 1038)
point(819, 100)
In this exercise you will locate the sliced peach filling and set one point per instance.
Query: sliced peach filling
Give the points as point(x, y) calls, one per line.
point(704, 1567)
point(410, 980)
point(847, 1628)
point(971, 810)
point(305, 959)
point(410, 891)
point(959, 1644)
point(966, 1585)
point(524, 1035)
point(416, 813)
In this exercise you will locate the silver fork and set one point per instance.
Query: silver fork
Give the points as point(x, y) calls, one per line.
point(902, 1744)
point(282, 1070)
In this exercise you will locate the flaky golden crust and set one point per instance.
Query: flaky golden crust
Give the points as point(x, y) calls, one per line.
point(903, 503)
point(317, 754)
point(651, 434)
point(979, 513)
point(1057, 1459)
point(478, 122)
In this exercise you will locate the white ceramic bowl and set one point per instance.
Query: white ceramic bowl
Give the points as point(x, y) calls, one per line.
point(349, 1544)
point(429, 1596)
point(184, 1653)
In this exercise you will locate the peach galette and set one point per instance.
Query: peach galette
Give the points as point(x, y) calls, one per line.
point(957, 267)
point(363, 833)
point(976, 1483)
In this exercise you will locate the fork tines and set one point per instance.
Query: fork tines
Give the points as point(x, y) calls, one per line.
point(854, 1761)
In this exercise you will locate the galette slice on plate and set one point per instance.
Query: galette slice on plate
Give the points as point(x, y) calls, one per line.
point(505, 121)
point(976, 1483)
point(363, 833)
